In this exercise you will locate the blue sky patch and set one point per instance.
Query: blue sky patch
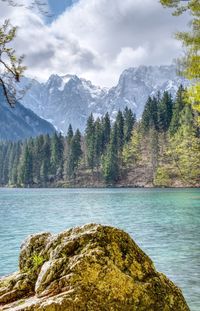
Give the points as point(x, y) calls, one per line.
point(59, 6)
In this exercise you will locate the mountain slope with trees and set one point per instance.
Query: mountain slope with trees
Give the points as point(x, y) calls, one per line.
point(162, 149)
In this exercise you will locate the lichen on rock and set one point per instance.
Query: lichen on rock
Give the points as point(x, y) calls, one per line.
point(93, 268)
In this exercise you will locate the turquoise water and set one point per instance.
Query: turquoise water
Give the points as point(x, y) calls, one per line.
point(165, 224)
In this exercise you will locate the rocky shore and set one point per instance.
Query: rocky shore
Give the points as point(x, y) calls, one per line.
point(89, 268)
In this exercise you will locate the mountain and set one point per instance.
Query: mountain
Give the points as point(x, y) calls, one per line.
point(19, 122)
point(137, 84)
point(63, 100)
point(69, 99)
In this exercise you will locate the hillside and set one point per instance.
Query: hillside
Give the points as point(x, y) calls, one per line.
point(19, 122)
point(160, 150)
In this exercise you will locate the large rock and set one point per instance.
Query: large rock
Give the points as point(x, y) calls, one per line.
point(93, 268)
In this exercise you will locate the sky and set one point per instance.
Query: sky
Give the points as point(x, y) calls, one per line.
point(59, 6)
point(95, 39)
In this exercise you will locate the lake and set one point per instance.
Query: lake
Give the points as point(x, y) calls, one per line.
point(165, 223)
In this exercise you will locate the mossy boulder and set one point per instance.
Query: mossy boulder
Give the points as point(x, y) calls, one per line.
point(93, 268)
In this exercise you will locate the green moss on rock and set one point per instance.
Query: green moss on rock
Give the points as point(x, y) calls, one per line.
point(93, 267)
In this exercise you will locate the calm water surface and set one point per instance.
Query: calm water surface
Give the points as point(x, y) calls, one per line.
point(164, 223)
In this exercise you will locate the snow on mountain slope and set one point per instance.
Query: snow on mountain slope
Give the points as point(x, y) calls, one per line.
point(136, 84)
point(70, 99)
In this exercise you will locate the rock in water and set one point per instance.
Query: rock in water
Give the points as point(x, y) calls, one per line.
point(93, 268)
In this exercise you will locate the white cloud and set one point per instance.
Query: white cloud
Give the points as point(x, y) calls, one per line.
point(96, 39)
point(129, 56)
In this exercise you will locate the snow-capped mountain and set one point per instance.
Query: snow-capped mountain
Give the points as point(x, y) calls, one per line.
point(69, 99)
point(63, 100)
point(136, 84)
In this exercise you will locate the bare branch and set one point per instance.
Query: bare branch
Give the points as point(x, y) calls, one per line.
point(41, 6)
point(11, 69)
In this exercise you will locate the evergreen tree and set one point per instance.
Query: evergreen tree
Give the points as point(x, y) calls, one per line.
point(38, 154)
point(129, 121)
point(61, 153)
point(77, 141)
point(98, 144)
point(57, 147)
point(75, 153)
point(45, 165)
point(150, 114)
point(44, 170)
point(106, 130)
point(120, 130)
point(90, 142)
point(55, 159)
point(3, 163)
point(164, 112)
point(13, 179)
point(66, 151)
point(26, 169)
point(7, 163)
point(70, 134)
point(177, 109)
point(110, 162)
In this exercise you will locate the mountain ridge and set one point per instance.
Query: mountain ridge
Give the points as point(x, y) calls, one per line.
point(69, 99)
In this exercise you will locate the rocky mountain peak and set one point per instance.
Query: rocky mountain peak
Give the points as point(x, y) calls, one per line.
point(70, 99)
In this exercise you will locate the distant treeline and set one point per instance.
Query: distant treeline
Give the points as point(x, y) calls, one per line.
point(162, 149)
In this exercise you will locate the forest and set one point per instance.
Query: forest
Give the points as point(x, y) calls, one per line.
point(162, 149)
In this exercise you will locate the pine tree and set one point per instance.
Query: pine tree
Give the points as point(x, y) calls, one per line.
point(77, 141)
point(98, 143)
point(44, 169)
point(38, 157)
point(150, 114)
point(55, 159)
point(110, 161)
point(26, 169)
point(129, 121)
point(45, 165)
point(164, 112)
point(8, 162)
point(70, 134)
point(106, 129)
point(74, 156)
point(14, 171)
point(57, 148)
point(90, 142)
point(178, 106)
point(120, 130)
point(4, 163)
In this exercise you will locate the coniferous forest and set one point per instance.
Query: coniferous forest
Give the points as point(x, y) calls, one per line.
point(161, 149)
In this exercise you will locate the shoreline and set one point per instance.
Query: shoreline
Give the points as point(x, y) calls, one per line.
point(104, 187)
